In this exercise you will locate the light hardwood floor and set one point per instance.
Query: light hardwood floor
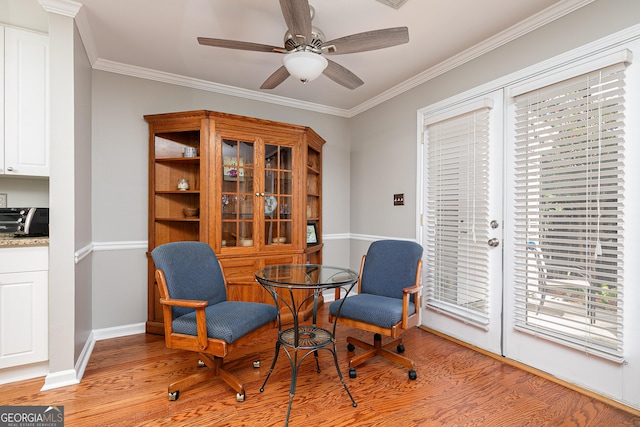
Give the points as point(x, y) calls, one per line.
point(126, 378)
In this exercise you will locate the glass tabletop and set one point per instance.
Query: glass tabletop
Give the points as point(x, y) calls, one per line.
point(313, 276)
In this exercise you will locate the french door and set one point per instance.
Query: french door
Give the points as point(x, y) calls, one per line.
point(528, 209)
point(462, 233)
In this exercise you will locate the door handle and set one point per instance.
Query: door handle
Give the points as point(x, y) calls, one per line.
point(493, 242)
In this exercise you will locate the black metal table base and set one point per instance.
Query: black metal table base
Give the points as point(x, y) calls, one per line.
point(310, 339)
point(300, 341)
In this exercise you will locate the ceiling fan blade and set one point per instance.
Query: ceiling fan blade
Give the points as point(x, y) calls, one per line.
point(369, 40)
point(297, 15)
point(235, 44)
point(342, 76)
point(276, 78)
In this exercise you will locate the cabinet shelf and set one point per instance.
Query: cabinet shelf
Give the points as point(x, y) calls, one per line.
point(193, 160)
point(178, 219)
point(177, 191)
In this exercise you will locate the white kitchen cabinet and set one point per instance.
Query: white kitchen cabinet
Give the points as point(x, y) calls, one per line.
point(24, 315)
point(25, 137)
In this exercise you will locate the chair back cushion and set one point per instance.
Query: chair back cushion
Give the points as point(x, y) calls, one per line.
point(389, 267)
point(192, 272)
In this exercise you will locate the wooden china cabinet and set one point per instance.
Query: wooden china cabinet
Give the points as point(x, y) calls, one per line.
point(256, 186)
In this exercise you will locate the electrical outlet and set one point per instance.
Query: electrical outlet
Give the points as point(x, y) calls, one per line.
point(3, 200)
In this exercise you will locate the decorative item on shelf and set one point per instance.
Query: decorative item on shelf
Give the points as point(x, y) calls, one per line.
point(190, 152)
point(270, 204)
point(183, 184)
point(280, 240)
point(245, 242)
point(312, 234)
point(191, 212)
point(233, 169)
point(309, 212)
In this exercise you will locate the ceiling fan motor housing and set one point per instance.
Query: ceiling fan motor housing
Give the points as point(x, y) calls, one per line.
point(294, 43)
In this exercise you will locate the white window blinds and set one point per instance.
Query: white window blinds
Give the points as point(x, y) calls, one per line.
point(569, 211)
point(458, 216)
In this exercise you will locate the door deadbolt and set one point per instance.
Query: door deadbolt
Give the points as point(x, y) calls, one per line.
point(493, 242)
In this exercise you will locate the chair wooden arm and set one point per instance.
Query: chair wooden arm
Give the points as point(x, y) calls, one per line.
point(201, 316)
point(410, 320)
point(188, 303)
point(199, 305)
point(411, 290)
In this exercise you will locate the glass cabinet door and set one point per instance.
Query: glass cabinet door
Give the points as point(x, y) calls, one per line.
point(278, 194)
point(238, 190)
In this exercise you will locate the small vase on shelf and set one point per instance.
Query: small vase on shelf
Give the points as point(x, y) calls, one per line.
point(183, 185)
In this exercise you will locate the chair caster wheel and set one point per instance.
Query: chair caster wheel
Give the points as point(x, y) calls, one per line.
point(201, 364)
point(256, 363)
point(240, 397)
point(351, 347)
point(174, 396)
point(352, 372)
point(400, 348)
point(412, 375)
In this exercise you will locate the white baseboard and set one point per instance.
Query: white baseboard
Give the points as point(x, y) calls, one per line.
point(85, 355)
point(22, 373)
point(60, 379)
point(118, 331)
point(74, 376)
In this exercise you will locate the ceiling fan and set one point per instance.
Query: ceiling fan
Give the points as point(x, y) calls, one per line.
point(305, 47)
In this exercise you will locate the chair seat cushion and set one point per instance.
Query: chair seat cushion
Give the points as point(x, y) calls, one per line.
point(228, 320)
point(373, 309)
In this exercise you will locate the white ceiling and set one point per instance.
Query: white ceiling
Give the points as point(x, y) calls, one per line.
point(157, 39)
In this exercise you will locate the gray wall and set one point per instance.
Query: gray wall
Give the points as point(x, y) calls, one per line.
point(62, 288)
point(82, 177)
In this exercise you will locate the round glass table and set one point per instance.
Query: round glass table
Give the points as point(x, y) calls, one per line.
point(301, 340)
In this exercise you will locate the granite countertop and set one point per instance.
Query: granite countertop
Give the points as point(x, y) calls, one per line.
point(9, 240)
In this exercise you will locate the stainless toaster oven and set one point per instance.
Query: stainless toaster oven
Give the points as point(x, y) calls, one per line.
point(25, 221)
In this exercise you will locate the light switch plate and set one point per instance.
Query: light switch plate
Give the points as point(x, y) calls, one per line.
point(3, 200)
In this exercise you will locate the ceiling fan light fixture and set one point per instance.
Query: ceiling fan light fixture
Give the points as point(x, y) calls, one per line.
point(305, 66)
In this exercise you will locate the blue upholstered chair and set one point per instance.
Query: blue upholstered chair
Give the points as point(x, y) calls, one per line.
point(387, 302)
point(197, 315)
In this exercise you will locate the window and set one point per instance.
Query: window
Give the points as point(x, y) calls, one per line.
point(569, 212)
point(457, 213)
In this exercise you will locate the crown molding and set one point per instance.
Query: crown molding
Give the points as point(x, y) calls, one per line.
point(526, 26)
point(61, 7)
point(75, 10)
point(175, 79)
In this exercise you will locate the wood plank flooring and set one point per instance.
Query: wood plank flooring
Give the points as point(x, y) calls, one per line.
point(125, 384)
